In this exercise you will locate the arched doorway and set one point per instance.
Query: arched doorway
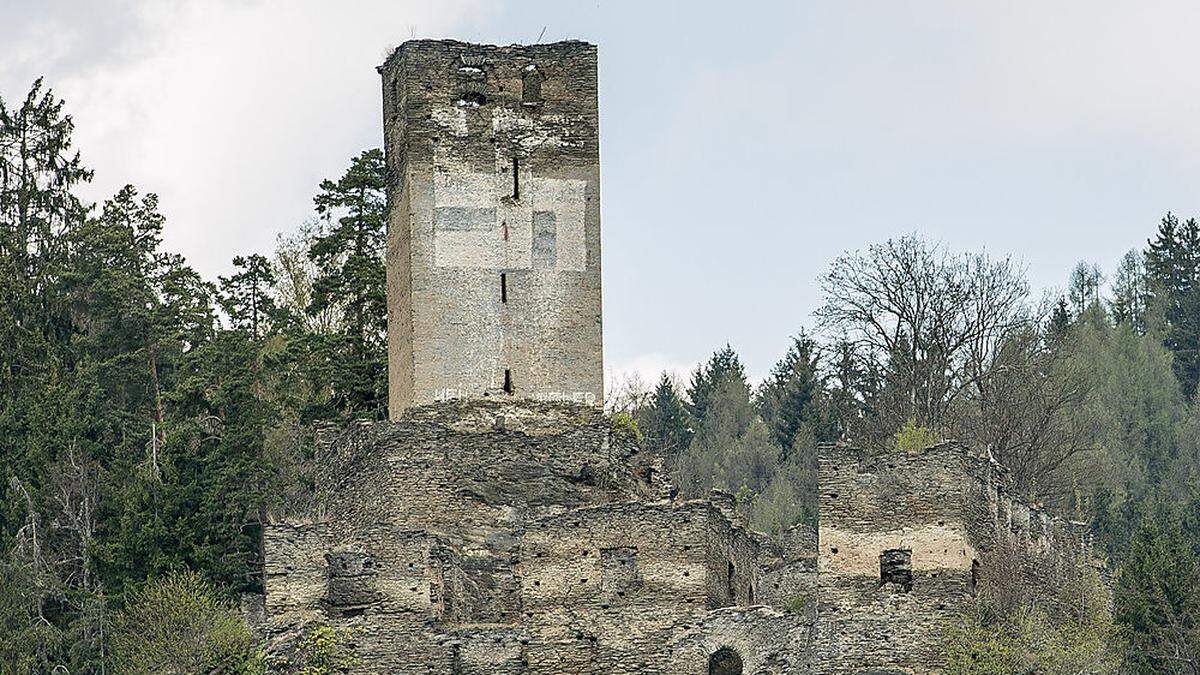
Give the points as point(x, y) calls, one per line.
point(724, 661)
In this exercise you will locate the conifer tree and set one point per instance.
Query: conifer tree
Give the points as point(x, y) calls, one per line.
point(349, 257)
point(664, 422)
point(792, 398)
point(723, 365)
point(245, 295)
point(1173, 264)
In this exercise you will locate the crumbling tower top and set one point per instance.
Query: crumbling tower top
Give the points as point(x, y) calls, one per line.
point(494, 222)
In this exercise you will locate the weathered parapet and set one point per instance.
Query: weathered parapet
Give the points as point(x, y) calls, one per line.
point(472, 469)
point(1022, 548)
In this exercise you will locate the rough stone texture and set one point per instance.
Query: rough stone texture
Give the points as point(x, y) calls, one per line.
point(903, 546)
point(516, 536)
point(530, 537)
point(492, 531)
point(494, 229)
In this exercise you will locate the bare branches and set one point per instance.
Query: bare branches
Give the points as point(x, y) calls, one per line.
point(931, 320)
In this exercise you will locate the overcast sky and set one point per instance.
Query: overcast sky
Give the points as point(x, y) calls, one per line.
point(744, 145)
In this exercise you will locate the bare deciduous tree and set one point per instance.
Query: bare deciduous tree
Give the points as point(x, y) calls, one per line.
point(931, 322)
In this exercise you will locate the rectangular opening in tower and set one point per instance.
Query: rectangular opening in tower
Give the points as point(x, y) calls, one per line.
point(516, 171)
point(508, 385)
point(503, 287)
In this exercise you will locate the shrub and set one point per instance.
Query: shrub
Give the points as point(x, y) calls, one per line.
point(912, 439)
point(178, 624)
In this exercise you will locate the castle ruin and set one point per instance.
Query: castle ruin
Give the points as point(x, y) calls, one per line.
point(501, 522)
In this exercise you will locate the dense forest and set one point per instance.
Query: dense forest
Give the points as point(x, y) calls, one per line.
point(151, 420)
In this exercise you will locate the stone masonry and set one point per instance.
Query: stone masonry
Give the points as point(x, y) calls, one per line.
point(500, 522)
point(494, 231)
point(514, 536)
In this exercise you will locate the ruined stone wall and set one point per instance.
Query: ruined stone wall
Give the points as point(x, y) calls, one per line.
point(501, 536)
point(475, 470)
point(1025, 553)
point(873, 504)
point(788, 571)
point(908, 543)
point(494, 227)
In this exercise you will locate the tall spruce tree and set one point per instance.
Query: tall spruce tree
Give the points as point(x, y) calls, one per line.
point(1173, 265)
point(664, 422)
point(349, 255)
point(792, 399)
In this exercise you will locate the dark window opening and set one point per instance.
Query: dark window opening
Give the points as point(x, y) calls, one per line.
point(732, 590)
point(974, 576)
point(516, 169)
point(895, 567)
point(724, 661)
point(750, 594)
point(508, 385)
point(503, 287)
point(531, 85)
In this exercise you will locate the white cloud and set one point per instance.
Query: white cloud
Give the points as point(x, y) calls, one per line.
point(644, 370)
point(231, 111)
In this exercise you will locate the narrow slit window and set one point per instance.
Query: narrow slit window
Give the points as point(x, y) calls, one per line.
point(503, 287)
point(516, 170)
point(508, 386)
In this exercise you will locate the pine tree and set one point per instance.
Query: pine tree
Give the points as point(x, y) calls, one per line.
point(245, 296)
point(349, 258)
point(664, 422)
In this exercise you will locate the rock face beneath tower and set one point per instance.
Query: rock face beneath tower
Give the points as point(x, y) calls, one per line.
point(494, 230)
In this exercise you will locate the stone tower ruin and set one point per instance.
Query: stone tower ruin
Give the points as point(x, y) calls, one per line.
point(481, 531)
point(493, 260)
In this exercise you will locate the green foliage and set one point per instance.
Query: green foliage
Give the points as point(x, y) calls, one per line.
point(177, 624)
point(1156, 597)
point(320, 650)
point(797, 603)
point(912, 439)
point(1032, 643)
point(623, 424)
point(664, 422)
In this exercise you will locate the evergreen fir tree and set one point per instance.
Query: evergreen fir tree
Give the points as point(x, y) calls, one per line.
point(245, 296)
point(723, 365)
point(664, 422)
